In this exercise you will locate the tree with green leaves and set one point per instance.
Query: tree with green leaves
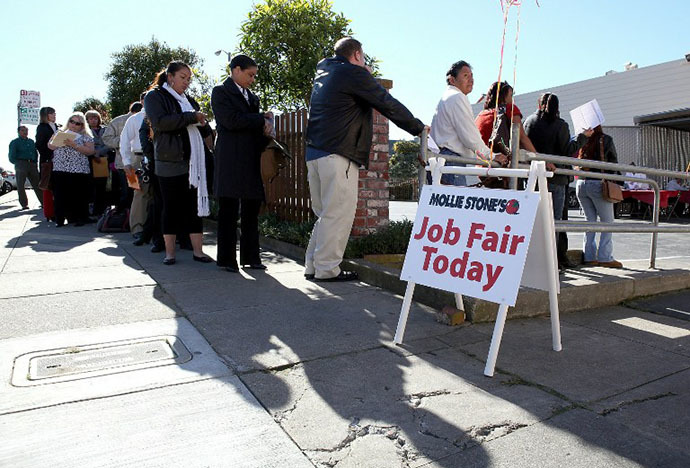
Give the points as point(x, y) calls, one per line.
point(403, 162)
point(95, 104)
point(133, 69)
point(287, 38)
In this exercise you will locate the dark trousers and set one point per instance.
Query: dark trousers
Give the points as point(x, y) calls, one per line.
point(179, 206)
point(99, 200)
point(27, 170)
point(71, 196)
point(562, 243)
point(228, 209)
point(121, 191)
point(152, 227)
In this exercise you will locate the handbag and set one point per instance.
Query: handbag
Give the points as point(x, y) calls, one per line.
point(610, 191)
point(274, 158)
point(46, 171)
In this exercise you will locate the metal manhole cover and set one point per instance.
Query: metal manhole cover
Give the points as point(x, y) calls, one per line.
point(77, 362)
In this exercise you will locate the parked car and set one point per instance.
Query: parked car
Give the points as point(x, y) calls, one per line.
point(571, 197)
point(5, 185)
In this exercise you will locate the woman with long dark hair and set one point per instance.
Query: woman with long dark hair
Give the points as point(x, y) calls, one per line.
point(599, 147)
point(178, 132)
point(72, 173)
point(550, 134)
point(500, 96)
point(44, 132)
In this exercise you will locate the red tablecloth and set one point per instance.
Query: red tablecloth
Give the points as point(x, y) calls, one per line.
point(684, 196)
point(647, 196)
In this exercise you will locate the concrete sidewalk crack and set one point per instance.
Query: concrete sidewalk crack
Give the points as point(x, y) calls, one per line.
point(623, 404)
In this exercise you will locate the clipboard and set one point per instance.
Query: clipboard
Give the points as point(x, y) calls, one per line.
point(62, 136)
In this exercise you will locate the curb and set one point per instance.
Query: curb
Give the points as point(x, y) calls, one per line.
point(609, 291)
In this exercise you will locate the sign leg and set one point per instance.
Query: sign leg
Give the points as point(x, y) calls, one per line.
point(459, 303)
point(496, 340)
point(404, 312)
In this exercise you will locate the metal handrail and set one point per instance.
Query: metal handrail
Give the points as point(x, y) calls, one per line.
point(565, 226)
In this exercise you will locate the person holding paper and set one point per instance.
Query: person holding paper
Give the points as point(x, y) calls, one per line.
point(598, 147)
point(452, 127)
point(178, 131)
point(550, 134)
point(72, 171)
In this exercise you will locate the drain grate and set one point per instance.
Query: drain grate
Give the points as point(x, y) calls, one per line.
point(99, 359)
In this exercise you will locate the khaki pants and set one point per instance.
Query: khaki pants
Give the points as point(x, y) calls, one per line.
point(333, 184)
point(139, 209)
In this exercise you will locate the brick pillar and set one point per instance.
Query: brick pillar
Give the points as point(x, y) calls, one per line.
point(372, 205)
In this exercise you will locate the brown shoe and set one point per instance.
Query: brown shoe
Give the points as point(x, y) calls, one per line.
point(611, 264)
point(591, 263)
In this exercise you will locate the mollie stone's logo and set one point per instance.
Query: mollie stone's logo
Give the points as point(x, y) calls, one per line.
point(512, 207)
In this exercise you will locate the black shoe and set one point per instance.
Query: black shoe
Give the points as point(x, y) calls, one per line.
point(255, 266)
point(231, 269)
point(343, 276)
point(23, 208)
point(140, 241)
point(309, 276)
point(169, 261)
point(202, 259)
point(155, 248)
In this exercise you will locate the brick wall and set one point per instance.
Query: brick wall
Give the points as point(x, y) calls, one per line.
point(372, 205)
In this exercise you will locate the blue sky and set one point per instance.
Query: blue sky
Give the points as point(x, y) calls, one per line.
point(63, 49)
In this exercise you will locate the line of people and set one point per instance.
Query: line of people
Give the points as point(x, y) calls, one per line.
point(180, 151)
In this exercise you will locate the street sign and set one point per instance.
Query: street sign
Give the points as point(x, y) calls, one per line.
point(29, 115)
point(29, 98)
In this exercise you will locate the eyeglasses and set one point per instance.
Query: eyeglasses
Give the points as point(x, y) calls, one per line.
point(74, 122)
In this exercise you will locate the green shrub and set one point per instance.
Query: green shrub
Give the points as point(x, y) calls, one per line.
point(287, 231)
point(390, 239)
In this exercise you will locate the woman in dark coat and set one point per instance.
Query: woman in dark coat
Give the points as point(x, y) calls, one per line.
point(242, 131)
point(178, 131)
point(44, 132)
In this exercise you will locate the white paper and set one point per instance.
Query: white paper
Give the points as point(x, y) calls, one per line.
point(587, 116)
point(63, 135)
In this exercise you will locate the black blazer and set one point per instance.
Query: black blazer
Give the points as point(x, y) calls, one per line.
point(44, 132)
point(239, 143)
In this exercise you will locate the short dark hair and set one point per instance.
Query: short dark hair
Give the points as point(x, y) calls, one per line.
point(22, 126)
point(347, 46)
point(135, 107)
point(455, 69)
point(142, 95)
point(242, 61)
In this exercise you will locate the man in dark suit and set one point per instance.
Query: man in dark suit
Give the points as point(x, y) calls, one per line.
point(242, 131)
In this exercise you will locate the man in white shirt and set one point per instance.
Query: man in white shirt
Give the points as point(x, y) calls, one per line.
point(452, 127)
point(132, 156)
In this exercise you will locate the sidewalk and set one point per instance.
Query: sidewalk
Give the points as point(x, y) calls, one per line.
point(301, 373)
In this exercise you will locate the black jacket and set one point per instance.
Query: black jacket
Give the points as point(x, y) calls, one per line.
point(340, 113)
point(44, 132)
point(169, 123)
point(553, 138)
point(239, 143)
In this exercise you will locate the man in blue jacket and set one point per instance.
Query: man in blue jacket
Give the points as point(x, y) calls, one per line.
point(339, 135)
point(24, 156)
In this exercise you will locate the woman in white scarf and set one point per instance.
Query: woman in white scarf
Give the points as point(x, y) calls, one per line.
point(178, 132)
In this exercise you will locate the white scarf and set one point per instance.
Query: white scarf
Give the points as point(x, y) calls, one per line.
point(197, 161)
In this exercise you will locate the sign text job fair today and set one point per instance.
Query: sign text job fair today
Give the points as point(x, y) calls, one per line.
point(471, 241)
